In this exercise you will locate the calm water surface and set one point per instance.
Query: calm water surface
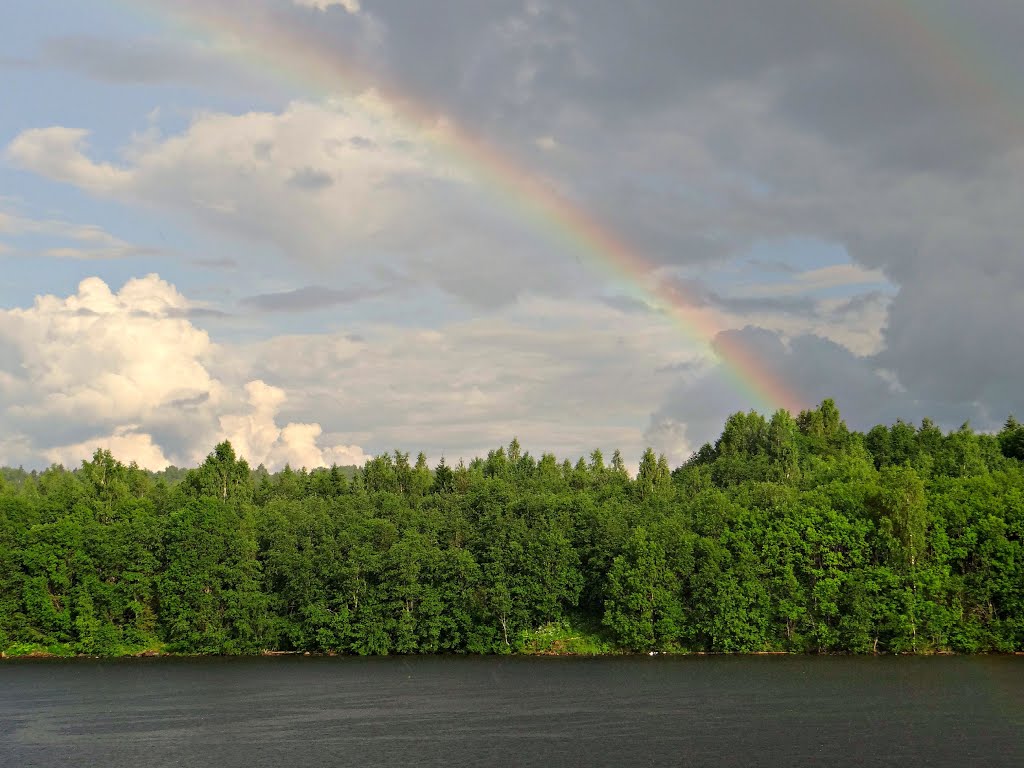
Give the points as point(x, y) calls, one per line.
point(643, 711)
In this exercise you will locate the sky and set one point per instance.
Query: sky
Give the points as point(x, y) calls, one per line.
point(329, 229)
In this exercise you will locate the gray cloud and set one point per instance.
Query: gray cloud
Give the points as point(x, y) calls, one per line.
point(197, 313)
point(150, 61)
point(311, 179)
point(304, 299)
point(190, 402)
point(133, 61)
point(626, 304)
point(813, 367)
point(858, 303)
point(700, 294)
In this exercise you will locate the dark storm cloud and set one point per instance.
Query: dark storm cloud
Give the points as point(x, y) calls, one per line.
point(956, 338)
point(697, 129)
point(814, 369)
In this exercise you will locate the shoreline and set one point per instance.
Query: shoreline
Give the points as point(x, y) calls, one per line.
point(45, 656)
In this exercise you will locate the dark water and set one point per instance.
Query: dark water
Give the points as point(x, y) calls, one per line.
point(545, 712)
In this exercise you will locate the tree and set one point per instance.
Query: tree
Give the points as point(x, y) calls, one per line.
point(223, 476)
point(1011, 439)
point(902, 503)
point(782, 447)
point(421, 480)
point(788, 535)
point(823, 428)
point(618, 465)
point(640, 608)
point(653, 474)
point(444, 478)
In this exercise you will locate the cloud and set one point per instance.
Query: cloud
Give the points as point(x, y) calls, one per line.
point(668, 437)
point(227, 170)
point(303, 299)
point(235, 173)
point(814, 281)
point(304, 182)
point(124, 444)
point(210, 60)
point(694, 131)
point(352, 6)
point(142, 60)
point(854, 320)
point(311, 179)
point(129, 371)
point(563, 375)
point(65, 240)
point(814, 368)
point(256, 434)
point(106, 355)
point(57, 153)
point(697, 130)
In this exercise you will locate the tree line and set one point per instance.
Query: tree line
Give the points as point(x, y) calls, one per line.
point(787, 534)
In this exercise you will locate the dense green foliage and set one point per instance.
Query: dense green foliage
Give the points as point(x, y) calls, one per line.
point(787, 534)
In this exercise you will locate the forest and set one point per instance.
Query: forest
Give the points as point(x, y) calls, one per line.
point(788, 534)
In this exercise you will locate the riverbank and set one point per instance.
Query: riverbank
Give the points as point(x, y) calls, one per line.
point(64, 653)
point(577, 638)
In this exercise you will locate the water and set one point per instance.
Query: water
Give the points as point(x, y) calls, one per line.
point(642, 711)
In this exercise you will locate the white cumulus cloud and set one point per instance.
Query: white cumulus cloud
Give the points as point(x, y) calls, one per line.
point(123, 444)
point(256, 434)
point(129, 371)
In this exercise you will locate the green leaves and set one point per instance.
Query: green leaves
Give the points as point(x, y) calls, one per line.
point(222, 476)
point(1011, 440)
point(787, 535)
point(642, 608)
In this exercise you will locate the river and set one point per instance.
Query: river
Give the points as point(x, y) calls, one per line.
point(438, 711)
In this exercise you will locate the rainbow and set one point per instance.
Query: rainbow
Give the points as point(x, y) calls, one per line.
point(253, 34)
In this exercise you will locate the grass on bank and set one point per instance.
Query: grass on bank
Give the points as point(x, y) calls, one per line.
point(573, 637)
